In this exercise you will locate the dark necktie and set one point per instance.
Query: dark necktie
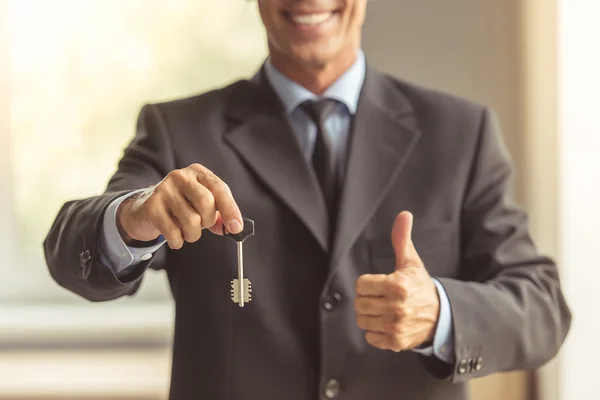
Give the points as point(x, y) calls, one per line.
point(323, 160)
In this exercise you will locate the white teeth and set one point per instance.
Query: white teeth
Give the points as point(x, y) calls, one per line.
point(311, 19)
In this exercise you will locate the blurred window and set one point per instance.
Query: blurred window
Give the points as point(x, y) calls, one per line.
point(79, 72)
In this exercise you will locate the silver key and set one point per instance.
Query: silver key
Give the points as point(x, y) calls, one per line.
point(241, 288)
point(241, 285)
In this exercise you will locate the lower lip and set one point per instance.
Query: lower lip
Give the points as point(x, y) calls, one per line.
point(313, 29)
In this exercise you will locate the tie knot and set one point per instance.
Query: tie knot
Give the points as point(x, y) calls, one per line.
point(319, 110)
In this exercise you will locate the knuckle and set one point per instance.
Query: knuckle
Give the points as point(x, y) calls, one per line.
point(195, 221)
point(179, 177)
point(406, 288)
point(399, 287)
point(396, 328)
point(222, 188)
point(206, 202)
point(176, 174)
point(204, 175)
point(198, 168)
point(398, 312)
point(396, 289)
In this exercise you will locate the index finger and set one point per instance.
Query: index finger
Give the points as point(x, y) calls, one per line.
point(373, 285)
point(224, 202)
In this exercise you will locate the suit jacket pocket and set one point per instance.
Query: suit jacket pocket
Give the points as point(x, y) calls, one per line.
point(434, 243)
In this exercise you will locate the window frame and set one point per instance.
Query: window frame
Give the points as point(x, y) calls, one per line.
point(6, 173)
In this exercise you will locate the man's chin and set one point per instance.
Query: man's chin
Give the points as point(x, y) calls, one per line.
point(313, 58)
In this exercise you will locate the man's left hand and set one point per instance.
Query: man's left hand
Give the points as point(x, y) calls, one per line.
point(399, 311)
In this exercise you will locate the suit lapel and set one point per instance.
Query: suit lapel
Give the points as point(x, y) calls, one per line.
point(383, 136)
point(263, 138)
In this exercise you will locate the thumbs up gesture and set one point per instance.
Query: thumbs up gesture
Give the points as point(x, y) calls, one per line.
point(399, 311)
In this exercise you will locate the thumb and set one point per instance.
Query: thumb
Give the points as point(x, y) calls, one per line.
point(401, 238)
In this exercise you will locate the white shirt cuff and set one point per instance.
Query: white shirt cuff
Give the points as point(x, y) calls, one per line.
point(114, 252)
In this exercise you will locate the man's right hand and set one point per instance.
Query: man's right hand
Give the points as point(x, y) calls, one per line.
point(178, 208)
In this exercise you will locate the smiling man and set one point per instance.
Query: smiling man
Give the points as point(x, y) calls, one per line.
point(388, 260)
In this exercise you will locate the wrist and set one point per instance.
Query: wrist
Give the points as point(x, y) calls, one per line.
point(130, 223)
point(436, 311)
point(122, 211)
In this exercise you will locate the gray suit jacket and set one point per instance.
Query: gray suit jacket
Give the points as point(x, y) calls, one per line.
point(411, 149)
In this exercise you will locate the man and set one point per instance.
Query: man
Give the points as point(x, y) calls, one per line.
point(388, 261)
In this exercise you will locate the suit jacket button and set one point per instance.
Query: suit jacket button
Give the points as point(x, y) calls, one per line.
point(332, 301)
point(332, 389)
point(470, 365)
point(84, 261)
point(478, 364)
point(84, 258)
point(462, 366)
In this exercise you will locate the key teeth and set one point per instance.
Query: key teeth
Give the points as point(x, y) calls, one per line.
point(235, 296)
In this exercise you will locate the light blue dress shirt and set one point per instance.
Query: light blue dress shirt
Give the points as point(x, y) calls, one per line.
point(346, 90)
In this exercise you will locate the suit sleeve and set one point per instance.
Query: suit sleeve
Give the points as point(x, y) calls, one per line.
point(508, 310)
point(73, 242)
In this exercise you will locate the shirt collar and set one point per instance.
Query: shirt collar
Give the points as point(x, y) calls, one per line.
point(346, 89)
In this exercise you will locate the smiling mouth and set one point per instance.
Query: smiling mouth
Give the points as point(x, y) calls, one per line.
point(309, 19)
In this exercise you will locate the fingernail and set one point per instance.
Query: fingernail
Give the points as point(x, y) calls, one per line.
point(234, 226)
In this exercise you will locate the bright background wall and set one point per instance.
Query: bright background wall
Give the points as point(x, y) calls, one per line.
point(579, 67)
